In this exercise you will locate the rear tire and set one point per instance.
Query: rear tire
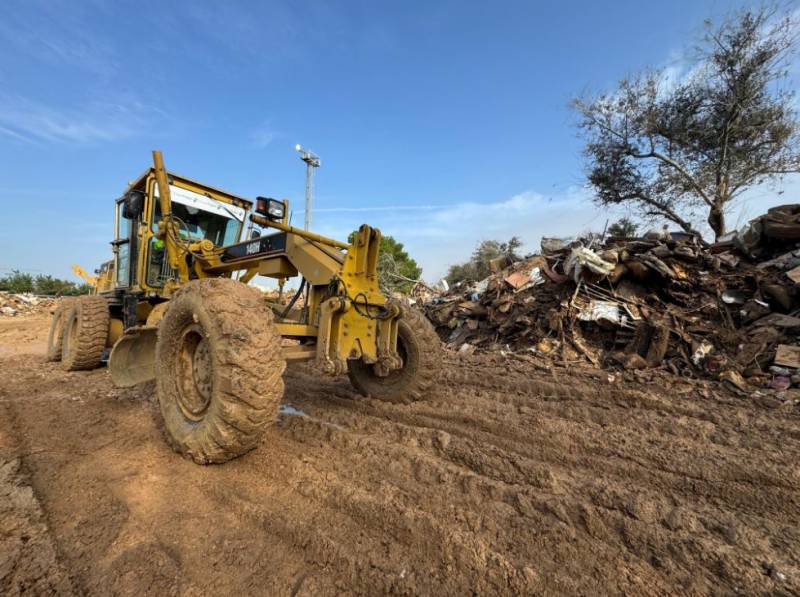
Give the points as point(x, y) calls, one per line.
point(55, 336)
point(84, 333)
point(420, 349)
point(219, 367)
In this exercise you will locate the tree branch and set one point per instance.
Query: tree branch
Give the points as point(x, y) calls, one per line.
point(661, 209)
point(667, 160)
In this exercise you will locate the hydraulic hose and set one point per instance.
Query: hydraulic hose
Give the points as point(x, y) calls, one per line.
point(296, 296)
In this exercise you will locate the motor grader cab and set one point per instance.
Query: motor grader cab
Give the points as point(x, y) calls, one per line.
point(174, 306)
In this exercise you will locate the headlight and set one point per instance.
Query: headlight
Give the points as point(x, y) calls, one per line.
point(272, 208)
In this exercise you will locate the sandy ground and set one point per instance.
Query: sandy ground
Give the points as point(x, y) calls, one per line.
point(506, 481)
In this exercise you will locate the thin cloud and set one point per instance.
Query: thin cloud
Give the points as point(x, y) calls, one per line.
point(59, 38)
point(392, 208)
point(438, 236)
point(34, 122)
point(263, 135)
point(14, 135)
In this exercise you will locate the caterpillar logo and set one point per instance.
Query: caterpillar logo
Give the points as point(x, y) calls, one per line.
point(253, 248)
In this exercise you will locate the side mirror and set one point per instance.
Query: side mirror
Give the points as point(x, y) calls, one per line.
point(132, 205)
point(255, 234)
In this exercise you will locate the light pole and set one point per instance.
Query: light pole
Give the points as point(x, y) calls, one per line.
point(312, 161)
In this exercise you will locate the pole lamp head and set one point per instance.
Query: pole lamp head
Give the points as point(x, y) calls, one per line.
point(309, 157)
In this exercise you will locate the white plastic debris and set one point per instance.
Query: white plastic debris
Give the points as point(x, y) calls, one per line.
point(536, 277)
point(601, 311)
point(581, 258)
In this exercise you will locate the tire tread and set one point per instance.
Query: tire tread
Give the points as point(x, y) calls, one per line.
point(248, 371)
point(93, 319)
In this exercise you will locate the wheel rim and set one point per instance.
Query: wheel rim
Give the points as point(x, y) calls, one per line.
point(195, 373)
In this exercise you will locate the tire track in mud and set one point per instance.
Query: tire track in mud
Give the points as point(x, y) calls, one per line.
point(29, 560)
point(657, 481)
point(442, 519)
point(506, 480)
point(507, 440)
point(511, 507)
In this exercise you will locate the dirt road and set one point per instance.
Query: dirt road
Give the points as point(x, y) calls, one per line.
point(506, 481)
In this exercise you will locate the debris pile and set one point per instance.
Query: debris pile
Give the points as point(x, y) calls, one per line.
point(730, 310)
point(23, 304)
point(273, 295)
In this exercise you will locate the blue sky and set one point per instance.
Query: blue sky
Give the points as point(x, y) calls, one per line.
point(442, 123)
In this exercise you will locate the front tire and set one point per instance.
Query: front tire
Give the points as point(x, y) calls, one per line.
point(420, 349)
point(219, 368)
point(84, 333)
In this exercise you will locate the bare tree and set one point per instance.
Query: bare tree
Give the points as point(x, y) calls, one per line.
point(671, 148)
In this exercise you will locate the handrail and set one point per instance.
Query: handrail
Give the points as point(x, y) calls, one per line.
point(262, 221)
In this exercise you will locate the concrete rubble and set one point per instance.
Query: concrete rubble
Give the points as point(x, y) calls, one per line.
point(12, 304)
point(729, 311)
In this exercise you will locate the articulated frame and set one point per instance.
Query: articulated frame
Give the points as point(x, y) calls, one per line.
point(353, 318)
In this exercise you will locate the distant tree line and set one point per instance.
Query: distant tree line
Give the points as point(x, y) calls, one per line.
point(477, 267)
point(623, 228)
point(21, 282)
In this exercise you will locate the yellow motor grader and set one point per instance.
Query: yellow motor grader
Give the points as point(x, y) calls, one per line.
point(174, 306)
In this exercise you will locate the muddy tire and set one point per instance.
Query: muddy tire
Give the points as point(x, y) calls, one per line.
point(219, 368)
point(420, 349)
point(85, 332)
point(54, 336)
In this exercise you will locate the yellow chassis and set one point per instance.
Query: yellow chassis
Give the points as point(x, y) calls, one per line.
point(346, 314)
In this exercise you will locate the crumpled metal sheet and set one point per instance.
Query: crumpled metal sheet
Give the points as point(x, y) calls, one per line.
point(597, 310)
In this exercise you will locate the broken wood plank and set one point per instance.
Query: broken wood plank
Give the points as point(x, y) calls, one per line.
point(788, 356)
